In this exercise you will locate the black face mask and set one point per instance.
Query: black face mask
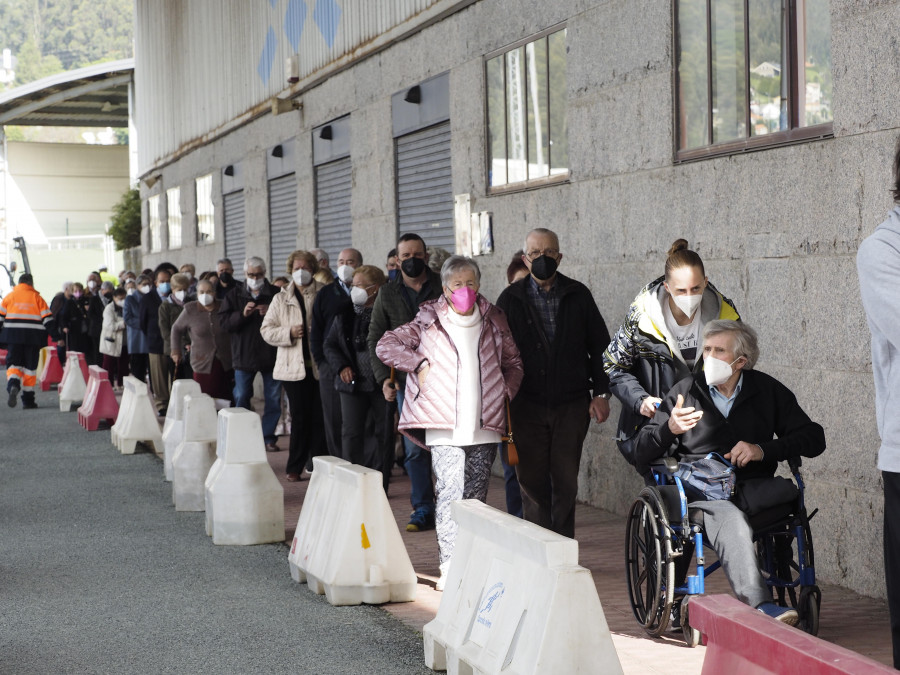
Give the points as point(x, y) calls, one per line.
point(413, 267)
point(226, 279)
point(543, 267)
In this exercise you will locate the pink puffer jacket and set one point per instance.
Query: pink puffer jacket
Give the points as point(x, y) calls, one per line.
point(434, 405)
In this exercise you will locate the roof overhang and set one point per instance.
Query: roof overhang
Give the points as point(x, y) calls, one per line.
point(96, 96)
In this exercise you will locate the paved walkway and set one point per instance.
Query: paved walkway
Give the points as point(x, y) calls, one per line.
point(847, 619)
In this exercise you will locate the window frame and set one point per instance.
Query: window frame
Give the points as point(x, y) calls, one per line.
point(176, 192)
point(790, 136)
point(528, 183)
point(154, 224)
point(211, 237)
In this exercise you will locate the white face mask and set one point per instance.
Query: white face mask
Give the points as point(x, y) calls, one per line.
point(179, 295)
point(145, 289)
point(302, 277)
point(345, 273)
point(359, 296)
point(188, 275)
point(255, 284)
point(205, 299)
point(688, 303)
point(717, 371)
point(130, 291)
point(92, 284)
point(119, 303)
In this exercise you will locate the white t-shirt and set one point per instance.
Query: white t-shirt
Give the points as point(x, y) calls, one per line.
point(687, 338)
point(464, 331)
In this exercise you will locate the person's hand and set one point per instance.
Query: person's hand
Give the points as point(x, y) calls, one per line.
point(423, 374)
point(262, 309)
point(599, 409)
point(65, 330)
point(683, 419)
point(297, 331)
point(248, 309)
point(649, 406)
point(176, 357)
point(743, 453)
point(347, 375)
point(389, 389)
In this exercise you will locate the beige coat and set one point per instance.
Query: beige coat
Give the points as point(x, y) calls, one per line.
point(283, 313)
point(113, 328)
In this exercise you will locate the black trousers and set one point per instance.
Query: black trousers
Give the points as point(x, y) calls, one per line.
point(331, 410)
point(549, 442)
point(892, 555)
point(307, 425)
point(363, 439)
point(138, 365)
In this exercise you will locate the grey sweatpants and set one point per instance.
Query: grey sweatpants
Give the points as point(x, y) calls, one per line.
point(460, 473)
point(730, 535)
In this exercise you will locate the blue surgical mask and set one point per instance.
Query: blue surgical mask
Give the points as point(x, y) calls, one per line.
point(164, 288)
point(393, 274)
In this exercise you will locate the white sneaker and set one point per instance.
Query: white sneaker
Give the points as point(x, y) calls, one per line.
point(442, 581)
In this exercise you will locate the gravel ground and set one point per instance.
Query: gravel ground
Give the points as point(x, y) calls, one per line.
point(99, 574)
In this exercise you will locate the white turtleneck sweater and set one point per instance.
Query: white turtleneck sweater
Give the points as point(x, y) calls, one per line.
point(464, 331)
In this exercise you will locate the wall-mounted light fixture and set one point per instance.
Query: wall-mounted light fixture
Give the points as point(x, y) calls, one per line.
point(292, 68)
point(278, 151)
point(229, 170)
point(414, 95)
point(327, 133)
point(284, 105)
point(150, 181)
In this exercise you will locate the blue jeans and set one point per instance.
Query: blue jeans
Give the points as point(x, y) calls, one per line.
point(418, 466)
point(243, 392)
point(513, 493)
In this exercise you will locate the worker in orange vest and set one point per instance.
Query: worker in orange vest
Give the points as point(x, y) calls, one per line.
point(25, 321)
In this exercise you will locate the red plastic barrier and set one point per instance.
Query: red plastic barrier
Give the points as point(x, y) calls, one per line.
point(740, 639)
point(99, 401)
point(82, 361)
point(53, 371)
point(3, 354)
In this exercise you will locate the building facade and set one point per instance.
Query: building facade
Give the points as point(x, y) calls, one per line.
point(761, 132)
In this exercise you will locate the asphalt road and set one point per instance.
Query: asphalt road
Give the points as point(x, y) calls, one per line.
point(99, 574)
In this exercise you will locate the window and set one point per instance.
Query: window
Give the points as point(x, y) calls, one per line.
point(153, 215)
point(206, 226)
point(526, 110)
point(173, 197)
point(751, 73)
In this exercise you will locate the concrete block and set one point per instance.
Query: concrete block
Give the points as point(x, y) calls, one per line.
point(516, 601)
point(136, 422)
point(74, 385)
point(195, 454)
point(347, 545)
point(173, 427)
point(244, 499)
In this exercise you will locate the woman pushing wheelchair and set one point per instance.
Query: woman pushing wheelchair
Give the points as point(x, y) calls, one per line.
point(751, 419)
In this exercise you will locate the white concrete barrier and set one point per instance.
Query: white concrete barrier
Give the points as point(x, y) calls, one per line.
point(196, 453)
point(244, 500)
point(74, 386)
point(173, 427)
point(137, 419)
point(516, 601)
point(347, 544)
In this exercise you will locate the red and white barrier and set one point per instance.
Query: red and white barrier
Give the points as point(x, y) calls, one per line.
point(99, 400)
point(73, 386)
point(52, 372)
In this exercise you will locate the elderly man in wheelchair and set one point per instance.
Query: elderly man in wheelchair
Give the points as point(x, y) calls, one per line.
point(754, 422)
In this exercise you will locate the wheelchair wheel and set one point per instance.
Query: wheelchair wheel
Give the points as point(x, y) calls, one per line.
point(691, 635)
point(649, 568)
point(808, 608)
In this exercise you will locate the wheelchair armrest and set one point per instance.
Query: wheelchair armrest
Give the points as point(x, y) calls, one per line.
point(665, 465)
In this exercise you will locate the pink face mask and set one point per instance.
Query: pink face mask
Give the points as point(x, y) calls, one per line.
point(463, 299)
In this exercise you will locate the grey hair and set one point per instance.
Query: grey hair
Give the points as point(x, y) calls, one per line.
point(224, 261)
point(746, 342)
point(540, 230)
point(320, 253)
point(254, 261)
point(67, 285)
point(458, 263)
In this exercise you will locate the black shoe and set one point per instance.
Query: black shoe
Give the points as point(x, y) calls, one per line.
point(29, 405)
point(13, 390)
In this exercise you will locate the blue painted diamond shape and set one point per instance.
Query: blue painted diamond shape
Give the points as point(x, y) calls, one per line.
point(267, 57)
point(294, 20)
point(327, 16)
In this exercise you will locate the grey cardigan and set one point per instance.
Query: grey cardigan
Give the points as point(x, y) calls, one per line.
point(208, 339)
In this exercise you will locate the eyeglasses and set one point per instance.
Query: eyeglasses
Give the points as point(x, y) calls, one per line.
point(549, 252)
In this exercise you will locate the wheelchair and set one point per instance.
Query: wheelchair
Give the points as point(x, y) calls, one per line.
point(662, 535)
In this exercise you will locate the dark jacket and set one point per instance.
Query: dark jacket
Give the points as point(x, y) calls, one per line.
point(643, 359)
point(74, 317)
point(131, 313)
point(342, 351)
point(149, 320)
point(765, 413)
point(95, 315)
point(248, 350)
point(572, 365)
point(331, 301)
point(391, 310)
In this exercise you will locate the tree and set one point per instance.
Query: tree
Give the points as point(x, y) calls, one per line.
point(126, 221)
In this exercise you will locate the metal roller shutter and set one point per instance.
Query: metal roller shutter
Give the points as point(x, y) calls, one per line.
point(334, 182)
point(424, 186)
point(282, 220)
point(235, 242)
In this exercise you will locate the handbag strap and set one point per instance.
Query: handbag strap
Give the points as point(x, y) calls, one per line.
point(508, 419)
